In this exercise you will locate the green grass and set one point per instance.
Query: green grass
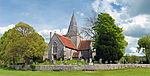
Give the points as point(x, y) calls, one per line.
point(58, 62)
point(117, 72)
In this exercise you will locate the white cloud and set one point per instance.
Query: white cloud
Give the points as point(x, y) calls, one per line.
point(135, 7)
point(132, 15)
point(80, 14)
point(137, 26)
point(135, 53)
point(95, 5)
point(133, 49)
point(46, 33)
point(4, 29)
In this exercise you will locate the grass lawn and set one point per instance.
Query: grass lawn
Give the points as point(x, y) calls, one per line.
point(58, 62)
point(117, 72)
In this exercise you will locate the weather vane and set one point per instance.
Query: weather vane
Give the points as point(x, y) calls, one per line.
point(73, 9)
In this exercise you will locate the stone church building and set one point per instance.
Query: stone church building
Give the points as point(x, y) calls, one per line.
point(70, 46)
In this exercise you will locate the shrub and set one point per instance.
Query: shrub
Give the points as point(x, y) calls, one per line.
point(32, 66)
point(122, 60)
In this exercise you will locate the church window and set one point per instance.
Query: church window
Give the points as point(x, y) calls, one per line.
point(55, 47)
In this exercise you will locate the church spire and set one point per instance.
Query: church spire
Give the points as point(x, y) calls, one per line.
point(72, 31)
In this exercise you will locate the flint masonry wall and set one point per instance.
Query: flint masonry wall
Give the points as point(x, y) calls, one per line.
point(79, 67)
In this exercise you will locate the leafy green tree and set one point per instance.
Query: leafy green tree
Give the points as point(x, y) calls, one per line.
point(22, 44)
point(109, 40)
point(132, 59)
point(144, 43)
point(128, 58)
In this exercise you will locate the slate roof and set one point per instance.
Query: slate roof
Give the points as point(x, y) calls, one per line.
point(67, 42)
point(84, 45)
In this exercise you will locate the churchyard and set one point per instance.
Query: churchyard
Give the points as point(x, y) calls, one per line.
point(24, 52)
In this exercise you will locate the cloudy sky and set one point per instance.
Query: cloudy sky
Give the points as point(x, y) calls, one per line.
point(51, 15)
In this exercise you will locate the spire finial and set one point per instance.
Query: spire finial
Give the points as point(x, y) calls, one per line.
point(73, 10)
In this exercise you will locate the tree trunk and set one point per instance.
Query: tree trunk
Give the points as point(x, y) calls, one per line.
point(113, 61)
point(27, 61)
point(108, 61)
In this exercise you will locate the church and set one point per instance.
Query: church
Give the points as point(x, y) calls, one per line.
point(69, 46)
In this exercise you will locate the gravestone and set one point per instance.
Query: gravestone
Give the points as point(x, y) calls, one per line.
point(111, 62)
point(61, 61)
point(100, 61)
point(106, 62)
point(54, 61)
point(91, 63)
point(86, 61)
point(65, 61)
point(82, 60)
point(70, 64)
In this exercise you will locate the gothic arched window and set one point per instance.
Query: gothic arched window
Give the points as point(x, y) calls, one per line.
point(55, 47)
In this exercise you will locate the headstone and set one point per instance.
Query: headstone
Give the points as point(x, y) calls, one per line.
point(65, 61)
point(110, 61)
point(54, 61)
point(82, 60)
point(106, 62)
point(61, 61)
point(86, 62)
point(142, 62)
point(74, 63)
point(100, 61)
point(91, 63)
point(90, 60)
point(70, 64)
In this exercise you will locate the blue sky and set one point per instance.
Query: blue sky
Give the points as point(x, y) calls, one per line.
point(54, 15)
point(40, 14)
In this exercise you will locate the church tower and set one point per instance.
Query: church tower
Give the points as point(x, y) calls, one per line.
point(73, 33)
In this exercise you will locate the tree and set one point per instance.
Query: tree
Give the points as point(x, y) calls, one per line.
point(2, 44)
point(22, 44)
point(128, 58)
point(90, 22)
point(144, 43)
point(132, 59)
point(109, 40)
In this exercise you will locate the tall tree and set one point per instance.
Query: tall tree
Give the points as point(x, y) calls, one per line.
point(22, 43)
point(109, 40)
point(144, 43)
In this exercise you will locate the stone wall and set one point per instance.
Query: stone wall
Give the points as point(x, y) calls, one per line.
point(80, 67)
point(60, 47)
point(20, 67)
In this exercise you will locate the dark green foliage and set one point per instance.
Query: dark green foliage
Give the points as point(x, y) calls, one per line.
point(144, 43)
point(33, 66)
point(109, 40)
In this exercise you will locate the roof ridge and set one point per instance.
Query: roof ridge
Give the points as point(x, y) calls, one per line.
point(86, 40)
point(63, 36)
point(64, 41)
